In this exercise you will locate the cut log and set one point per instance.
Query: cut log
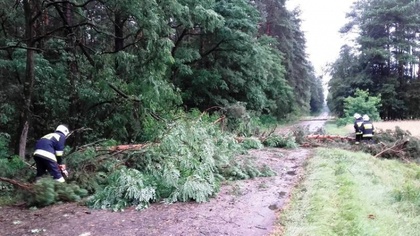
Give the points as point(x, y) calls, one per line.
point(123, 147)
point(330, 137)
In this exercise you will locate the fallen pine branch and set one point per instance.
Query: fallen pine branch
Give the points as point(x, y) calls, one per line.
point(78, 130)
point(397, 147)
point(83, 147)
point(123, 147)
point(16, 183)
point(221, 119)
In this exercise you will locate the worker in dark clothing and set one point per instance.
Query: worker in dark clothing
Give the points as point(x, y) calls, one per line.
point(358, 121)
point(367, 129)
point(48, 154)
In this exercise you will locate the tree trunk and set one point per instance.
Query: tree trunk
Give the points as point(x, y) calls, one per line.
point(29, 80)
point(119, 31)
point(119, 38)
point(73, 69)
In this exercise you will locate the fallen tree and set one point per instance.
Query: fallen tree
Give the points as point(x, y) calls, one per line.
point(187, 162)
point(327, 137)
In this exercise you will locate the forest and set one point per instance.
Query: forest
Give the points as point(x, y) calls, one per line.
point(383, 60)
point(123, 70)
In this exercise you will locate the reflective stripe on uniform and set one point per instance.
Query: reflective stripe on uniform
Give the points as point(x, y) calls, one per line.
point(51, 136)
point(368, 135)
point(43, 153)
point(368, 126)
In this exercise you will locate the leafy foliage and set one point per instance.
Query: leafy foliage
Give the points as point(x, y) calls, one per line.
point(127, 70)
point(252, 143)
point(126, 187)
point(361, 103)
point(189, 162)
point(136, 64)
point(287, 141)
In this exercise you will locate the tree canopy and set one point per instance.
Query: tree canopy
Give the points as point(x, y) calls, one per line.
point(384, 60)
point(123, 68)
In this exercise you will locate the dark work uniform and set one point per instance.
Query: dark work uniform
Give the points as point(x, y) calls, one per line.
point(47, 155)
point(368, 131)
point(357, 128)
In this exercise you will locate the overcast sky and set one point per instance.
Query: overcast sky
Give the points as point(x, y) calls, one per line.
point(321, 21)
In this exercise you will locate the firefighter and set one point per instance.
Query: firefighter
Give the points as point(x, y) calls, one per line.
point(367, 129)
point(48, 154)
point(358, 121)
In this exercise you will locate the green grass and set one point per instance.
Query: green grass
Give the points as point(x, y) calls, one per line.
point(347, 193)
point(332, 128)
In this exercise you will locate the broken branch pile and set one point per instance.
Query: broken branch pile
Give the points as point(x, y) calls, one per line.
point(395, 150)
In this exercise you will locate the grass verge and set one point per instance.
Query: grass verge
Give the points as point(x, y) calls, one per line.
point(348, 193)
point(332, 128)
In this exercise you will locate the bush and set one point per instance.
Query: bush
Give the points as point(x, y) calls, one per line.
point(361, 103)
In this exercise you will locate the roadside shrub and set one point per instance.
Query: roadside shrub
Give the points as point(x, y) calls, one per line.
point(361, 103)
